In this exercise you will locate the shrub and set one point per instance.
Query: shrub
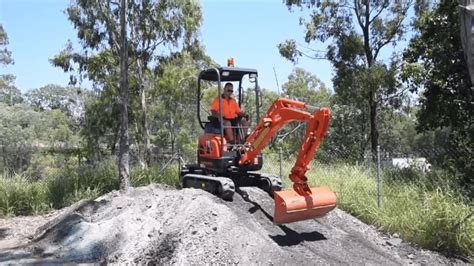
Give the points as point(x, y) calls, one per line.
point(19, 196)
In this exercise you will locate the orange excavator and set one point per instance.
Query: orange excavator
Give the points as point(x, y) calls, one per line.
point(222, 166)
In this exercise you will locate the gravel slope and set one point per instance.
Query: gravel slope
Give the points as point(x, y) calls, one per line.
point(156, 224)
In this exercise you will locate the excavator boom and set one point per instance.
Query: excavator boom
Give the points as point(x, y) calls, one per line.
point(302, 202)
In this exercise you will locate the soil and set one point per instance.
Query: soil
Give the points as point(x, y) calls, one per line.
point(158, 224)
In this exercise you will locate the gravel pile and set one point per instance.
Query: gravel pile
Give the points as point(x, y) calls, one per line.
point(157, 224)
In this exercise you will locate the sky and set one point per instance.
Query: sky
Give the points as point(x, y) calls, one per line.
point(247, 30)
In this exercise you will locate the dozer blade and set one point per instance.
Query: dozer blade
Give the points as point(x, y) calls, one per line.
point(292, 207)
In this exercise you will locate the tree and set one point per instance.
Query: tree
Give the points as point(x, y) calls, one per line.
point(305, 87)
point(174, 101)
point(25, 131)
point(150, 25)
point(357, 33)
point(8, 92)
point(70, 100)
point(5, 54)
point(435, 66)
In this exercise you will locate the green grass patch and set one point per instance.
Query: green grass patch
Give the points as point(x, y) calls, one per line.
point(20, 195)
point(434, 218)
point(426, 209)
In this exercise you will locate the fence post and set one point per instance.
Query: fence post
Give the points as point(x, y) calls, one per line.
point(281, 160)
point(179, 162)
point(379, 180)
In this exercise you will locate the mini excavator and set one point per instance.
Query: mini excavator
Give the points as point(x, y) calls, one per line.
point(222, 167)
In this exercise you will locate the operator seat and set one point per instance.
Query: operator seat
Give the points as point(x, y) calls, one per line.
point(214, 127)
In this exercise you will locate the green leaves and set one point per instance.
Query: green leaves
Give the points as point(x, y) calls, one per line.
point(435, 66)
point(5, 55)
point(289, 50)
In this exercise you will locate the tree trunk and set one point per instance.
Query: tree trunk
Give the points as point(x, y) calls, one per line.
point(144, 153)
point(139, 149)
point(146, 133)
point(374, 132)
point(124, 149)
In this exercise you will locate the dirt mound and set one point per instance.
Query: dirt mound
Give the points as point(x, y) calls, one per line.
point(155, 224)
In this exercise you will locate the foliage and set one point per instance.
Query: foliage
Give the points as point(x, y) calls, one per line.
point(70, 100)
point(5, 54)
point(435, 66)
point(154, 26)
point(8, 92)
point(24, 131)
point(22, 195)
point(305, 87)
point(356, 33)
point(173, 97)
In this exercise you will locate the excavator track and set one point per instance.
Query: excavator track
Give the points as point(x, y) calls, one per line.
point(270, 183)
point(222, 187)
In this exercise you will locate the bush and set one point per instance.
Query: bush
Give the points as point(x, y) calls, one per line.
point(164, 174)
point(19, 196)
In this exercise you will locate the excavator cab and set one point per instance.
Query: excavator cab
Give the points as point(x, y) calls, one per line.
point(214, 150)
point(222, 167)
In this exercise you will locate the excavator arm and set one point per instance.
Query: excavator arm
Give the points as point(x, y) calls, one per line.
point(307, 202)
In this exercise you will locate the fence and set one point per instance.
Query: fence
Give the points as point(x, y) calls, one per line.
point(389, 175)
point(402, 188)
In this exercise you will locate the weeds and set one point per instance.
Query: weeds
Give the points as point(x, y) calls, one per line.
point(432, 217)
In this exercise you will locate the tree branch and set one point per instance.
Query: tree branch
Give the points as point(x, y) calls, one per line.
point(357, 11)
point(381, 44)
point(378, 14)
point(105, 10)
point(393, 96)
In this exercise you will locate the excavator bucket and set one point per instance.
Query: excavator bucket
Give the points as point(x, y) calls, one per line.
point(292, 207)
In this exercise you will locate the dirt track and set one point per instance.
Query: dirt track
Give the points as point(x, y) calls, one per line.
point(160, 225)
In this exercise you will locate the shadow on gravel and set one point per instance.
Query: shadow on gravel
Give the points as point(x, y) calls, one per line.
point(291, 237)
point(12, 255)
point(3, 233)
point(256, 206)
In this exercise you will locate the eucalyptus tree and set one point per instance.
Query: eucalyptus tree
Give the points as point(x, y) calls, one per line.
point(357, 31)
point(8, 92)
point(148, 27)
point(435, 66)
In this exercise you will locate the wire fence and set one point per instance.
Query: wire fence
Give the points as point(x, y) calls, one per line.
point(384, 178)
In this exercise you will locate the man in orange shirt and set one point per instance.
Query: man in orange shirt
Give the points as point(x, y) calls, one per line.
point(231, 112)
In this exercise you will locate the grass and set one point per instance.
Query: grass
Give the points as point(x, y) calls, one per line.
point(420, 210)
point(20, 195)
point(427, 210)
point(420, 213)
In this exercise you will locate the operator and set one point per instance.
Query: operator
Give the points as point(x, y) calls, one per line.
point(232, 114)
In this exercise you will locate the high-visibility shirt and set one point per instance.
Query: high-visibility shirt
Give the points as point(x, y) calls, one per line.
point(230, 107)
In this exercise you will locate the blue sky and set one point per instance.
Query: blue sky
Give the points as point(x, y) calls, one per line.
point(248, 30)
